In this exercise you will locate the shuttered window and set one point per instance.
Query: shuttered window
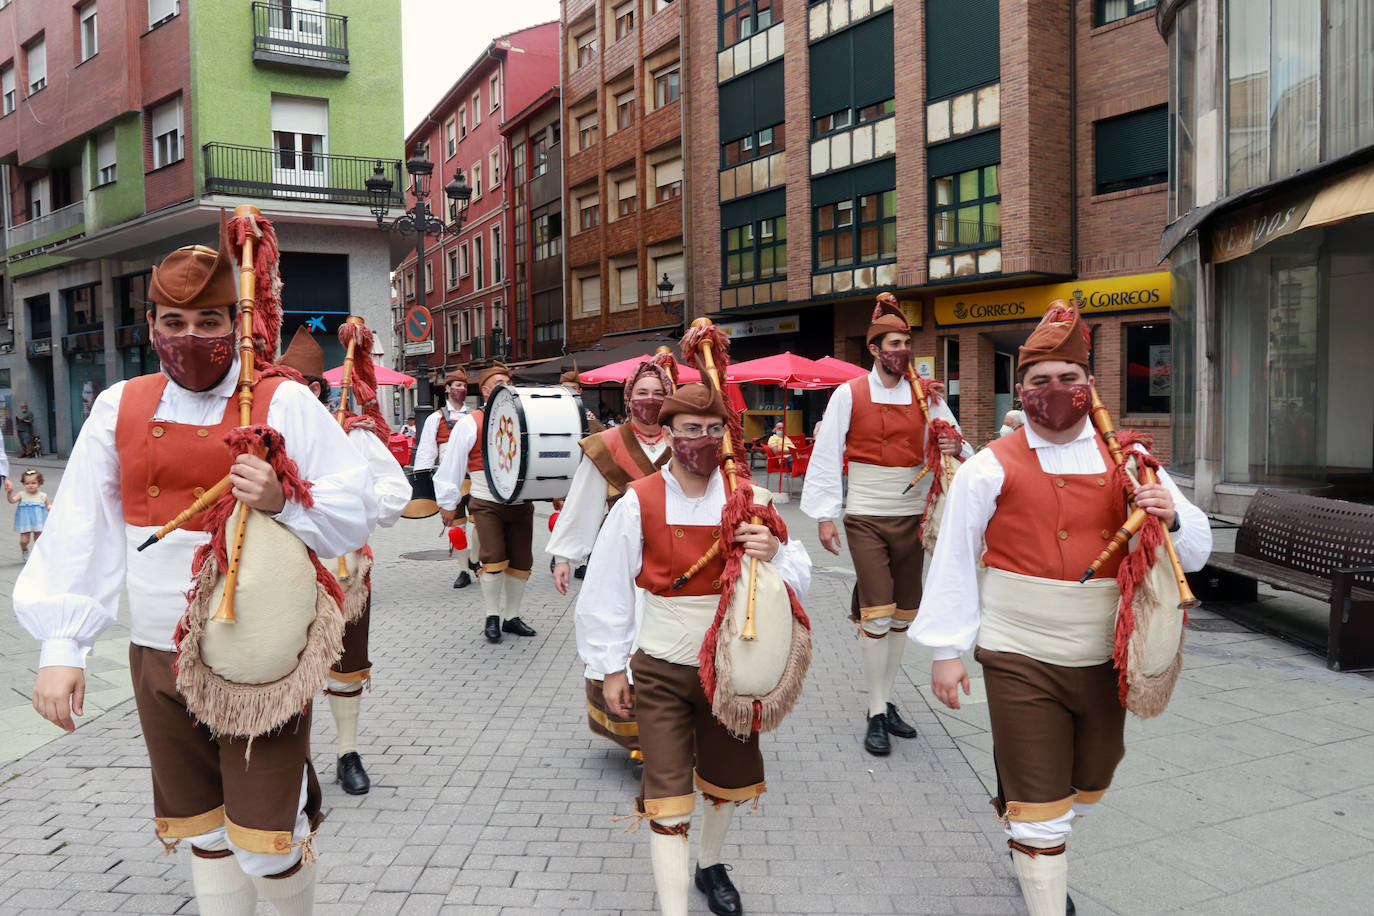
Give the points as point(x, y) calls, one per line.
point(965, 153)
point(1132, 150)
point(962, 46)
point(853, 70)
point(751, 102)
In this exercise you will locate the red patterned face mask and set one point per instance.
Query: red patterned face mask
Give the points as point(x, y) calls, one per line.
point(1057, 406)
point(645, 410)
point(194, 363)
point(895, 361)
point(700, 456)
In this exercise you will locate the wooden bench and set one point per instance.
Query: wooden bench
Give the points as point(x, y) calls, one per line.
point(1321, 548)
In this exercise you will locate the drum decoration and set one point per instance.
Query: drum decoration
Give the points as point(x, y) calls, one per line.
point(529, 442)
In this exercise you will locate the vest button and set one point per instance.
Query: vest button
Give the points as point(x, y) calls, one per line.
point(202, 433)
point(906, 442)
point(715, 583)
point(884, 442)
point(1106, 535)
point(198, 492)
point(715, 533)
point(884, 408)
point(1101, 481)
point(1063, 535)
point(679, 532)
point(153, 491)
point(157, 432)
point(1058, 481)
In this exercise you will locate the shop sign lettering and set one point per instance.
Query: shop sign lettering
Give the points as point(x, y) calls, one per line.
point(1111, 294)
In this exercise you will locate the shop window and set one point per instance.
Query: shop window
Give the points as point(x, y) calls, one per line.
point(1132, 151)
point(852, 77)
point(1149, 368)
point(757, 251)
point(966, 209)
point(739, 19)
point(1106, 11)
point(760, 143)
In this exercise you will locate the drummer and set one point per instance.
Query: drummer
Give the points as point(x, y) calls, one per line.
point(429, 452)
point(611, 461)
point(505, 533)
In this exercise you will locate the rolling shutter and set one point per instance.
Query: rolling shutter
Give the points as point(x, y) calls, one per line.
point(962, 46)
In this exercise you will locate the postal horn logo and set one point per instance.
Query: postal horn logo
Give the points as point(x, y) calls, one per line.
point(960, 310)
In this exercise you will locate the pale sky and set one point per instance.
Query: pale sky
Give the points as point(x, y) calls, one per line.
point(441, 39)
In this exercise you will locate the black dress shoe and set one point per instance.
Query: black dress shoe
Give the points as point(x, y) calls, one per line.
point(875, 742)
point(898, 726)
point(518, 627)
point(351, 774)
point(580, 572)
point(721, 896)
point(493, 629)
point(1070, 909)
point(463, 580)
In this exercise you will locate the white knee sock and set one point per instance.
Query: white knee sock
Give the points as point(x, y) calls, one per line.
point(222, 889)
point(461, 555)
point(515, 592)
point(492, 584)
point(896, 645)
point(671, 861)
point(345, 710)
point(293, 895)
point(713, 829)
point(874, 653)
point(1044, 880)
point(473, 552)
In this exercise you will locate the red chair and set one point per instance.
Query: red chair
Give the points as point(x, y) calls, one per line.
point(777, 464)
point(801, 459)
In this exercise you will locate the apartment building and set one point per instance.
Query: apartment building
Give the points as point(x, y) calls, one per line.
point(534, 139)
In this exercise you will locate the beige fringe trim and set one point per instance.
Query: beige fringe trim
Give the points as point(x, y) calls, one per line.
point(930, 526)
point(736, 712)
point(356, 589)
point(249, 710)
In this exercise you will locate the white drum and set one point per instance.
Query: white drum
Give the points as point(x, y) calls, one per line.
point(529, 442)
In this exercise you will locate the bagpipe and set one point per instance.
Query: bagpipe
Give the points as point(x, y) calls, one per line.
point(756, 653)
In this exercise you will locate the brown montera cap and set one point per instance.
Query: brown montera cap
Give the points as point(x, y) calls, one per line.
point(694, 397)
point(493, 369)
point(887, 317)
point(1061, 334)
point(457, 375)
point(304, 355)
point(197, 277)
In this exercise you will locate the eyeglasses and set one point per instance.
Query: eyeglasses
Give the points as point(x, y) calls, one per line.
point(696, 431)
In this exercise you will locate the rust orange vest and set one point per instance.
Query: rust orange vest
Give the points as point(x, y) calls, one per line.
point(670, 550)
point(445, 428)
point(163, 466)
point(887, 435)
point(617, 454)
point(1051, 525)
point(475, 456)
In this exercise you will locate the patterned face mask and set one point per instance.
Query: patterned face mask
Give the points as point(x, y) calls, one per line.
point(1057, 406)
point(645, 410)
point(895, 361)
point(700, 456)
point(194, 363)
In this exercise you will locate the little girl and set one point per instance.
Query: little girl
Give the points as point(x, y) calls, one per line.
point(32, 511)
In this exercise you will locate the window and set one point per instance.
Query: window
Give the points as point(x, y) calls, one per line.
point(589, 212)
point(624, 110)
point(966, 209)
point(464, 262)
point(539, 154)
point(165, 126)
point(453, 268)
point(455, 331)
point(666, 86)
point(586, 130)
point(764, 142)
point(1112, 10)
point(627, 198)
point(852, 77)
point(624, 20)
point(429, 276)
point(299, 128)
point(548, 235)
point(476, 180)
point(589, 294)
point(659, 5)
point(86, 26)
point(462, 121)
point(37, 54)
point(756, 251)
point(749, 106)
point(477, 259)
point(159, 11)
point(1132, 151)
point(7, 89)
point(668, 180)
point(105, 158)
point(870, 238)
point(741, 18)
point(628, 280)
point(494, 91)
point(37, 192)
point(494, 164)
point(586, 48)
point(670, 264)
point(477, 108)
point(1148, 366)
point(410, 284)
point(963, 46)
point(496, 254)
point(450, 137)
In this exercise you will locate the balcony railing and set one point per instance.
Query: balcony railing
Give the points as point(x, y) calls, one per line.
point(62, 218)
point(300, 38)
point(253, 171)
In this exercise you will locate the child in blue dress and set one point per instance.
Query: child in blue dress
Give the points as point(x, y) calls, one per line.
point(33, 509)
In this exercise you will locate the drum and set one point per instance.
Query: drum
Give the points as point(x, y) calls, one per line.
point(422, 503)
point(529, 442)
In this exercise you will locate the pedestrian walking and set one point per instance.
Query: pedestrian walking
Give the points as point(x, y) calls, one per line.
point(33, 510)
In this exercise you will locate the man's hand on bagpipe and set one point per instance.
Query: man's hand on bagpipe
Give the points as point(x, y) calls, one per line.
point(757, 541)
point(255, 484)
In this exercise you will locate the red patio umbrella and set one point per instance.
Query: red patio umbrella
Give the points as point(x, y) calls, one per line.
point(618, 372)
point(385, 376)
point(840, 366)
point(788, 370)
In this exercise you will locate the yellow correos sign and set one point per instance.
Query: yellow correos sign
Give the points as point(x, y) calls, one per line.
point(1109, 294)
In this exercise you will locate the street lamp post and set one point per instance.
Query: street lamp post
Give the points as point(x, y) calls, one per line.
point(665, 292)
point(420, 220)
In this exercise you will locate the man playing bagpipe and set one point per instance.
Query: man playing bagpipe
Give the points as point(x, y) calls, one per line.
point(228, 736)
point(430, 451)
point(367, 432)
point(611, 460)
point(893, 435)
point(1063, 654)
point(505, 533)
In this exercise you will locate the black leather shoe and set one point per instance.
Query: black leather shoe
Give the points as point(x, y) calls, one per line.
point(721, 896)
point(898, 726)
point(463, 580)
point(875, 742)
point(518, 627)
point(580, 572)
point(493, 629)
point(351, 774)
point(1070, 909)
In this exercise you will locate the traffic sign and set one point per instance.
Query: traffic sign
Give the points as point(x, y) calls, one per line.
point(417, 324)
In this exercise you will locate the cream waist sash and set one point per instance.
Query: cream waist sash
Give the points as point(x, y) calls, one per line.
point(673, 628)
point(877, 490)
point(479, 489)
point(1050, 620)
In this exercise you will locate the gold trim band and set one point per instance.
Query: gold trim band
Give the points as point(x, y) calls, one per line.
point(498, 567)
point(882, 610)
point(673, 806)
point(1039, 811)
point(517, 573)
point(744, 793)
point(905, 613)
point(624, 729)
point(1089, 796)
point(180, 828)
point(275, 842)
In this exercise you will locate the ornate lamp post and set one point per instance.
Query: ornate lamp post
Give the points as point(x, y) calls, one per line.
point(421, 221)
point(665, 292)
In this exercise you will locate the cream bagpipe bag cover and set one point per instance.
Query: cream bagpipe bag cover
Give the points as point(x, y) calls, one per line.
point(753, 684)
point(249, 677)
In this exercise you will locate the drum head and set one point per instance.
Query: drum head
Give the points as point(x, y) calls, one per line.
point(504, 454)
